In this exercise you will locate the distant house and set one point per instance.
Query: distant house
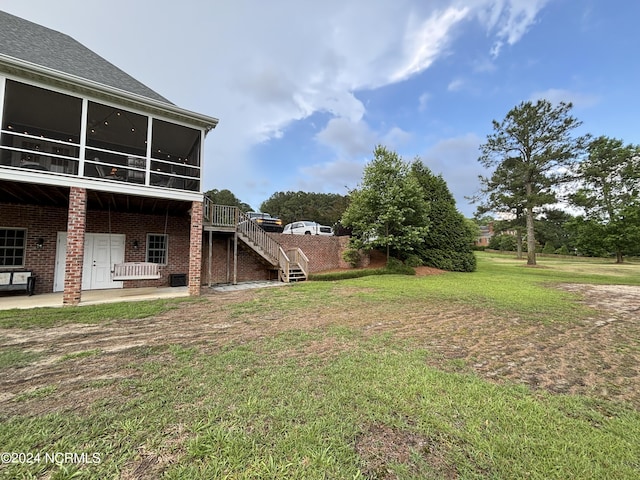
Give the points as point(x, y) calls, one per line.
point(97, 171)
point(486, 232)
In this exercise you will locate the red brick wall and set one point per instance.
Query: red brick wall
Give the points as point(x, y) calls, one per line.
point(324, 251)
point(44, 222)
point(40, 222)
point(136, 226)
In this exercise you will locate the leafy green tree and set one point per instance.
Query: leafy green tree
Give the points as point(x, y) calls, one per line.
point(447, 244)
point(324, 208)
point(473, 227)
point(609, 195)
point(551, 227)
point(388, 210)
point(548, 248)
point(226, 197)
point(503, 242)
point(532, 152)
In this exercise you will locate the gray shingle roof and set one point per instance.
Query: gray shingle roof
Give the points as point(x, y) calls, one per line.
point(34, 43)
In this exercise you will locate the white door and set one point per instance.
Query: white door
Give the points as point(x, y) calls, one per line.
point(101, 251)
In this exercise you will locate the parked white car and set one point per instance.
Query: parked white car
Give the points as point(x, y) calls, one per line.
point(307, 228)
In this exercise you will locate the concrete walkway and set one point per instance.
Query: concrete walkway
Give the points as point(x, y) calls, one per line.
point(247, 286)
point(94, 297)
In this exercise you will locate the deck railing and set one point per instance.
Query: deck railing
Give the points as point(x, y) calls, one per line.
point(220, 215)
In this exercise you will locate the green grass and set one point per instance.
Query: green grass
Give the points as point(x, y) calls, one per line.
point(502, 284)
point(89, 314)
point(282, 407)
point(505, 286)
point(82, 354)
point(41, 392)
point(258, 411)
point(16, 357)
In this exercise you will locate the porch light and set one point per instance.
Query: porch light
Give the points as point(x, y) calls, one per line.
point(135, 244)
point(40, 243)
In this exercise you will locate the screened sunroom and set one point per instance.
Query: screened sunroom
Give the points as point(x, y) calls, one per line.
point(60, 134)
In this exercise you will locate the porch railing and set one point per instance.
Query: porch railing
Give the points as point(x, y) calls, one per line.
point(220, 215)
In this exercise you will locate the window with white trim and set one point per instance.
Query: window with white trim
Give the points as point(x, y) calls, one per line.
point(12, 247)
point(157, 248)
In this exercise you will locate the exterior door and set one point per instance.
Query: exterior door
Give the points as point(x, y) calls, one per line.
point(101, 251)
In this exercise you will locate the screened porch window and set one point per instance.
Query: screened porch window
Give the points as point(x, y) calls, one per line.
point(175, 156)
point(116, 144)
point(40, 129)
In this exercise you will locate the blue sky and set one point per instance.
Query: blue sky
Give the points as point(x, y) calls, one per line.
point(305, 90)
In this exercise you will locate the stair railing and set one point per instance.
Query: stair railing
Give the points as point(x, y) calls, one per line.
point(252, 232)
point(298, 257)
point(284, 263)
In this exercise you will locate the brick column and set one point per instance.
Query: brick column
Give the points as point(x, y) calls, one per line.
point(195, 249)
point(76, 225)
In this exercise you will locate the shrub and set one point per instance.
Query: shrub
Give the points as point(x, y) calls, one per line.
point(396, 266)
point(548, 248)
point(449, 260)
point(414, 261)
point(351, 256)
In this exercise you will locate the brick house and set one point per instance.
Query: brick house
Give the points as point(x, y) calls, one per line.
point(97, 171)
point(486, 232)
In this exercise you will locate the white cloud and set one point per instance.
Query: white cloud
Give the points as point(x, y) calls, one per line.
point(455, 85)
point(423, 101)
point(347, 138)
point(509, 20)
point(396, 137)
point(425, 40)
point(555, 96)
point(456, 159)
point(338, 176)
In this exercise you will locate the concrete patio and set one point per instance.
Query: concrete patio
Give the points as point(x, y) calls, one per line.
point(93, 297)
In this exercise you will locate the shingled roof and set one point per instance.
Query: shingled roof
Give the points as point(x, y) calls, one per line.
point(30, 42)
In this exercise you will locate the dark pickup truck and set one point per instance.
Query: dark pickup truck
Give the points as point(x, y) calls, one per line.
point(266, 221)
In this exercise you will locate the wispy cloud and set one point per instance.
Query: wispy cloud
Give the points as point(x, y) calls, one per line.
point(423, 101)
point(508, 20)
point(557, 95)
point(455, 85)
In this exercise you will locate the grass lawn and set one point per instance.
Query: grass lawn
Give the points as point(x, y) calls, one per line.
point(376, 377)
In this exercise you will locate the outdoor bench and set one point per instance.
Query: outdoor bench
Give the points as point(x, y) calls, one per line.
point(17, 280)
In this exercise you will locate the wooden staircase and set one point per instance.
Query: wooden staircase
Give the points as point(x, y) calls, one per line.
point(292, 265)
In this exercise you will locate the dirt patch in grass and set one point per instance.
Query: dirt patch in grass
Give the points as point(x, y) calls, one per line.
point(381, 447)
point(598, 356)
